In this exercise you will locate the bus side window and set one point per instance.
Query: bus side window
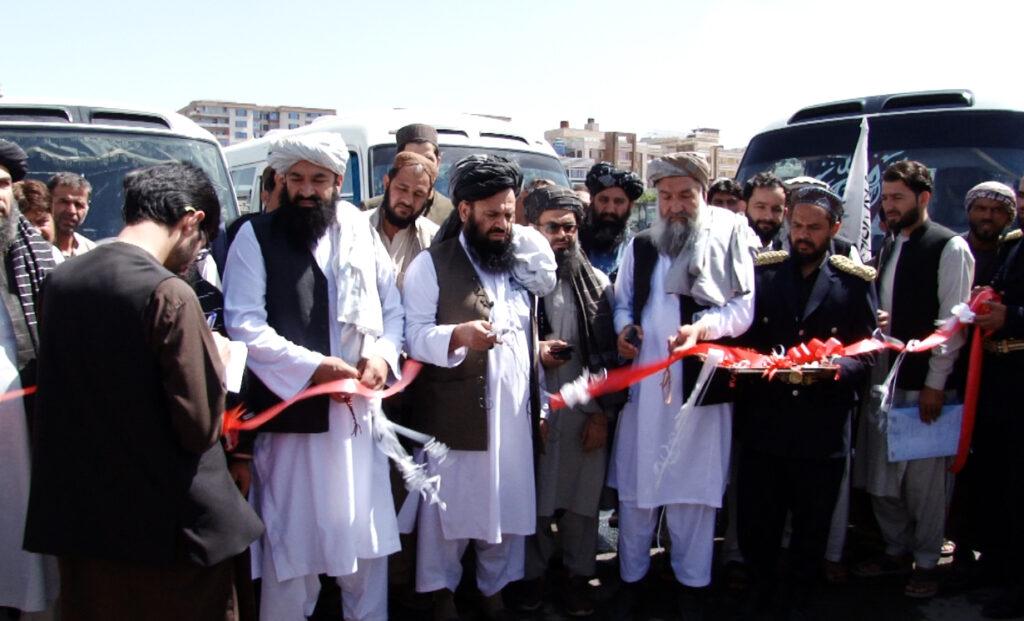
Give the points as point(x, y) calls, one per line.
point(243, 178)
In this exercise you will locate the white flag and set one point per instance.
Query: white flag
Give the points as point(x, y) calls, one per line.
point(857, 198)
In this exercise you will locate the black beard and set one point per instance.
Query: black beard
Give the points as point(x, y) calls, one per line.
point(495, 257)
point(393, 218)
point(985, 237)
point(603, 233)
point(765, 237)
point(568, 262)
point(305, 225)
point(910, 218)
point(808, 259)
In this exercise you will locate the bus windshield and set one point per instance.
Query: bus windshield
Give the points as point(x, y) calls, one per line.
point(961, 149)
point(104, 157)
point(534, 165)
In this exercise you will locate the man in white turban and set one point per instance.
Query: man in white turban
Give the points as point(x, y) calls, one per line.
point(312, 292)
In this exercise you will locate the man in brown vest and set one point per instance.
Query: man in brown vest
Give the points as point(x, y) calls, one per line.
point(470, 318)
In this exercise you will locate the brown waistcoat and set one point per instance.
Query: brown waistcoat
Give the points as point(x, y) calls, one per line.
point(451, 404)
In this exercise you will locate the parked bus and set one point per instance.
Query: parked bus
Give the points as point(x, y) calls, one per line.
point(371, 143)
point(102, 143)
point(961, 139)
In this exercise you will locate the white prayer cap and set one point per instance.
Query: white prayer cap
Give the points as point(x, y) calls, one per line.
point(325, 149)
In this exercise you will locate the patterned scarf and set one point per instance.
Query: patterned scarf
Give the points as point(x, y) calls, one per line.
point(29, 259)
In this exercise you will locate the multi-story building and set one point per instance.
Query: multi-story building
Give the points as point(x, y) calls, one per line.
point(581, 148)
point(233, 122)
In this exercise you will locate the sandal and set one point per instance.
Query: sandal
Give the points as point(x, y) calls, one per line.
point(923, 584)
point(883, 565)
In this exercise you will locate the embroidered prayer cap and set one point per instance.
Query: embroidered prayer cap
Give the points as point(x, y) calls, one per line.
point(821, 197)
point(416, 132)
point(549, 198)
point(325, 149)
point(993, 190)
point(794, 183)
point(603, 176)
point(14, 159)
point(681, 164)
point(476, 177)
point(404, 159)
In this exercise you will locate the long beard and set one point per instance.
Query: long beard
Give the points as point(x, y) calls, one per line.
point(305, 225)
point(567, 261)
point(494, 256)
point(910, 218)
point(673, 237)
point(393, 218)
point(604, 232)
point(8, 228)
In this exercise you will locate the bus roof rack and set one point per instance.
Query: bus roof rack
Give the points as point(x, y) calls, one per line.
point(921, 100)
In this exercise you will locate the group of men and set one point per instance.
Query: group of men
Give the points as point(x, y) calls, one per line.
point(131, 490)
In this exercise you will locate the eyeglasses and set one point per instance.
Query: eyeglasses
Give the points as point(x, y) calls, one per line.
point(552, 228)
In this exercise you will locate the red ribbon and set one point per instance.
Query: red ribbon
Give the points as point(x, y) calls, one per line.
point(233, 422)
point(818, 351)
point(15, 394)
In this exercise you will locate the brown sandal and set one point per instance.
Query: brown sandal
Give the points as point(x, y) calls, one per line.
point(923, 584)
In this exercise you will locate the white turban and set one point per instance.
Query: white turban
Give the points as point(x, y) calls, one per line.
point(325, 149)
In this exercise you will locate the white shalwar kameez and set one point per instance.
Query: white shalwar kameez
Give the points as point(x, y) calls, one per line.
point(325, 498)
point(28, 581)
point(692, 485)
point(489, 494)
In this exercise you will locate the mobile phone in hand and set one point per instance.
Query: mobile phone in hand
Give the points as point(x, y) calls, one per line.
point(633, 337)
point(563, 353)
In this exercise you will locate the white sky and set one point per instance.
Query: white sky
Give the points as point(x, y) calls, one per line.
point(634, 65)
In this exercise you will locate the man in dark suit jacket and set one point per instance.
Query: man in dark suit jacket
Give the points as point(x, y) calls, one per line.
point(130, 489)
point(794, 426)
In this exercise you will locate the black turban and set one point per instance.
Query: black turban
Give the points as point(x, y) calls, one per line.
point(14, 159)
point(552, 197)
point(473, 178)
point(476, 177)
point(603, 176)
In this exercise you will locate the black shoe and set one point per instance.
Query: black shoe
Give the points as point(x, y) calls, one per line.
point(691, 603)
point(577, 597)
point(527, 595)
point(625, 601)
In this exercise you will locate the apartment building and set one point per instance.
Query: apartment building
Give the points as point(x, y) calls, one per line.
point(232, 122)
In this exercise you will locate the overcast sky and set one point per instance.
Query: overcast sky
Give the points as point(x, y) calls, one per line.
point(634, 65)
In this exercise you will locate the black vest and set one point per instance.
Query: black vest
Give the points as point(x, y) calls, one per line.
point(109, 477)
point(645, 256)
point(915, 301)
point(297, 309)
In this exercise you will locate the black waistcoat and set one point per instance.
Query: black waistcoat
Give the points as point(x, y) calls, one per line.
point(645, 256)
point(915, 299)
point(109, 477)
point(297, 309)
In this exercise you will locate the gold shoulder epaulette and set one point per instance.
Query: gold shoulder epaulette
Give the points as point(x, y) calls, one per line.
point(771, 257)
point(846, 264)
point(1011, 236)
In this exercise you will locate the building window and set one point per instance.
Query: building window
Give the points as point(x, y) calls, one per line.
point(241, 112)
point(272, 116)
point(241, 123)
point(241, 135)
point(293, 116)
point(293, 125)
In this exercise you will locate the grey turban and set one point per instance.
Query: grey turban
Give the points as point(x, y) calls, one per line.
point(993, 190)
point(681, 164)
point(325, 149)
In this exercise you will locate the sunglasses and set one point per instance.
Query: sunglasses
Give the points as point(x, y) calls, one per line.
point(552, 228)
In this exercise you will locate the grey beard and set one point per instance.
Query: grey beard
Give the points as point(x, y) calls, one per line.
point(8, 228)
point(672, 238)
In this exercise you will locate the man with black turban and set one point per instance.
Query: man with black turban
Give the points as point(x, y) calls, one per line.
point(470, 303)
point(603, 234)
point(28, 581)
point(576, 324)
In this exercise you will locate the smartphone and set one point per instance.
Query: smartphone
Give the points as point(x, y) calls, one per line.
point(633, 337)
point(563, 353)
